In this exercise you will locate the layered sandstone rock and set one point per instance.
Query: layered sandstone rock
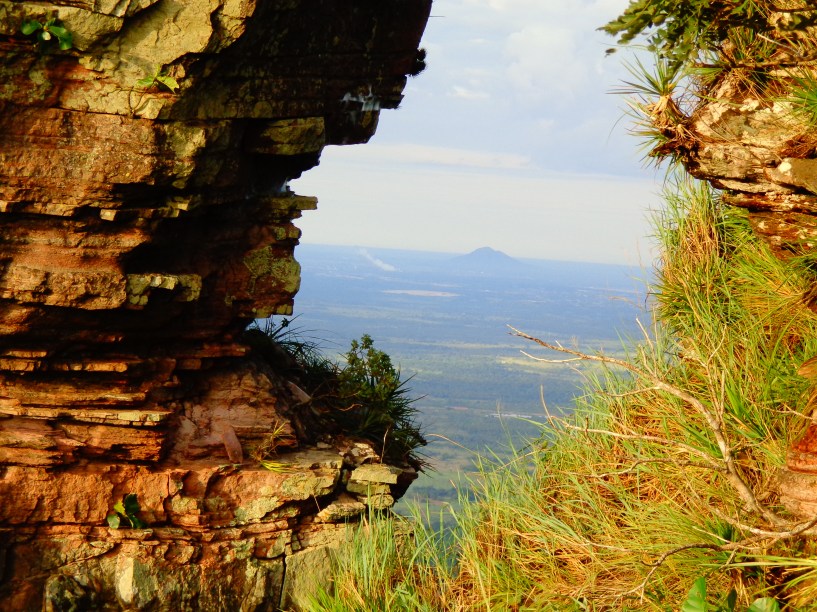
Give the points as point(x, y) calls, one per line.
point(760, 150)
point(142, 226)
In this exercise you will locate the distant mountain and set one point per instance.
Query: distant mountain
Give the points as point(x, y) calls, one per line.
point(487, 255)
point(486, 260)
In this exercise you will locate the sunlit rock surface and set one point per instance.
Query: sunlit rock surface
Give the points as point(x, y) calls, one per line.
point(760, 151)
point(142, 226)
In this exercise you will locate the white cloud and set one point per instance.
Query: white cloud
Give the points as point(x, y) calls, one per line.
point(476, 74)
point(522, 11)
point(544, 61)
point(533, 52)
point(514, 90)
point(407, 153)
point(457, 91)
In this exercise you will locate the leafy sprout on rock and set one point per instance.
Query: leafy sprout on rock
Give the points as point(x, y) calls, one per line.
point(159, 80)
point(124, 513)
point(48, 32)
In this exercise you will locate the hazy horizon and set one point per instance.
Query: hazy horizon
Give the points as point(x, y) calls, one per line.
point(445, 327)
point(368, 247)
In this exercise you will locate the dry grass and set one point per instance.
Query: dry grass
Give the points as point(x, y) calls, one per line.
point(265, 452)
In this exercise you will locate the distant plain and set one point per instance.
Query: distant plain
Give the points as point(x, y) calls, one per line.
point(444, 321)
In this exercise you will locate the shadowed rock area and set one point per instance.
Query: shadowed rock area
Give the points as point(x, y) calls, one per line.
point(145, 220)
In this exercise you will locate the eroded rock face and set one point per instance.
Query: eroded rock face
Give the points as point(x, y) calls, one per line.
point(141, 229)
point(760, 151)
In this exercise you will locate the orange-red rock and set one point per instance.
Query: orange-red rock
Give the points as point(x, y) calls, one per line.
point(141, 229)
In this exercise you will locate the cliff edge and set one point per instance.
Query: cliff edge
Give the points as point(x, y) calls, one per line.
point(145, 219)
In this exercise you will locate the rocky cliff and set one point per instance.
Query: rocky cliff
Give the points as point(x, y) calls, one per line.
point(758, 149)
point(145, 220)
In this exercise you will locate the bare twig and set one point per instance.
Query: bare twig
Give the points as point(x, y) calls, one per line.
point(713, 464)
point(733, 472)
point(639, 588)
point(796, 9)
point(712, 414)
point(731, 547)
point(764, 534)
point(762, 539)
point(629, 393)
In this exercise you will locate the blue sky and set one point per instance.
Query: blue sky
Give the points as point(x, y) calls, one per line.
point(509, 139)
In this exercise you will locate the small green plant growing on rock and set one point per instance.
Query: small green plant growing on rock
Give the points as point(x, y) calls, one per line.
point(375, 402)
point(47, 32)
point(124, 514)
point(266, 451)
point(364, 397)
point(159, 80)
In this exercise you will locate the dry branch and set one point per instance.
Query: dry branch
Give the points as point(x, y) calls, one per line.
point(712, 419)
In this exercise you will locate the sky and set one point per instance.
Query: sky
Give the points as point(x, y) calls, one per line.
point(511, 138)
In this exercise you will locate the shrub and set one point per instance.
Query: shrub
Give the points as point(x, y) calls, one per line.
point(374, 401)
point(364, 396)
point(683, 29)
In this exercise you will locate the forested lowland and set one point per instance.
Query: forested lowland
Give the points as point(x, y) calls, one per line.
point(444, 320)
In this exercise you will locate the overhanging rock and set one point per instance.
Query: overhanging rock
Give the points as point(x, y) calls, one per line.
point(145, 219)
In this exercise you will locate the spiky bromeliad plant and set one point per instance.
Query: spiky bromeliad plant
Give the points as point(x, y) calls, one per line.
point(764, 49)
point(364, 395)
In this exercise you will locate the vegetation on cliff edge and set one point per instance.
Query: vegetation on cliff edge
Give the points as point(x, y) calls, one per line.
point(364, 396)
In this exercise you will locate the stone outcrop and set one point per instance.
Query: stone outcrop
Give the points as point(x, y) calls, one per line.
point(145, 220)
point(760, 151)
